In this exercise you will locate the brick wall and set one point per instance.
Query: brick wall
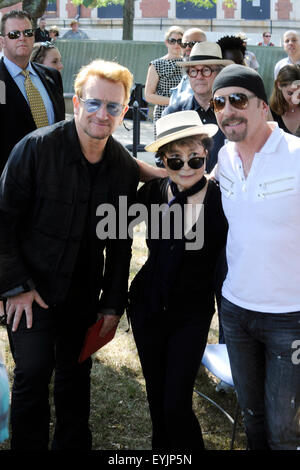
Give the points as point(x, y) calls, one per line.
point(229, 12)
point(283, 8)
point(155, 8)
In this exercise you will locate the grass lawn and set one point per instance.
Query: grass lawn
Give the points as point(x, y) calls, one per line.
point(119, 410)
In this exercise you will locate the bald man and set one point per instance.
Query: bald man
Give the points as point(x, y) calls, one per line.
point(189, 39)
point(291, 45)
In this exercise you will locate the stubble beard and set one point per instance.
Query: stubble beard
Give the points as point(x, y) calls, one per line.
point(231, 134)
point(104, 135)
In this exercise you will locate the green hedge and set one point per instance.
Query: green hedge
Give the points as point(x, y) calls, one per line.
point(136, 55)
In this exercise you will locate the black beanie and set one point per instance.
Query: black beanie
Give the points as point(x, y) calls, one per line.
point(240, 76)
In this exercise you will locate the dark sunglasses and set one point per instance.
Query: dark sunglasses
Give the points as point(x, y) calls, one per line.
point(237, 100)
point(267, 35)
point(176, 164)
point(92, 105)
point(173, 41)
point(184, 45)
point(28, 33)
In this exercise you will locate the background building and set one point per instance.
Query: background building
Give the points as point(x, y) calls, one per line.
point(153, 17)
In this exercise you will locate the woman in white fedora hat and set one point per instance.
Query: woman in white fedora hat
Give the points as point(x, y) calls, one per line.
point(171, 300)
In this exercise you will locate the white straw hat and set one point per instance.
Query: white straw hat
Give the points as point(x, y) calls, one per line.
point(178, 125)
point(242, 36)
point(205, 53)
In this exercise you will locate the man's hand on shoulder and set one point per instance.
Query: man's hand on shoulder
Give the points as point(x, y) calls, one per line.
point(149, 172)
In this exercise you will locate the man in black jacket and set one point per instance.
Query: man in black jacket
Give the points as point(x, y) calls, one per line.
point(16, 119)
point(41, 33)
point(52, 264)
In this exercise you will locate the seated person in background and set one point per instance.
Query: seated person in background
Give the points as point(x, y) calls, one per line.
point(75, 32)
point(172, 296)
point(284, 103)
point(266, 39)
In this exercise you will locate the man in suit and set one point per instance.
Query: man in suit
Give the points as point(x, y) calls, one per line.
point(16, 120)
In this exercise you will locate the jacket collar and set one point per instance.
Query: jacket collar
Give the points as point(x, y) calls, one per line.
point(75, 154)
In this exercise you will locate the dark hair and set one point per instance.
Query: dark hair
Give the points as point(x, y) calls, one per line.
point(20, 14)
point(286, 76)
point(39, 51)
point(228, 43)
point(202, 139)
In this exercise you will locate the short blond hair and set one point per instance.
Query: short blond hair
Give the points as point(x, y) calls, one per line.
point(111, 71)
point(173, 29)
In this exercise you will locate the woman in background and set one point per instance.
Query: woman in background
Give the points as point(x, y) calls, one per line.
point(164, 73)
point(46, 53)
point(284, 102)
point(54, 33)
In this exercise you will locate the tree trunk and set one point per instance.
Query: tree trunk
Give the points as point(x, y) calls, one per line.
point(35, 8)
point(128, 17)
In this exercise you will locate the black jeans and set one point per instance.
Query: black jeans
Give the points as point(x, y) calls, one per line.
point(170, 348)
point(53, 343)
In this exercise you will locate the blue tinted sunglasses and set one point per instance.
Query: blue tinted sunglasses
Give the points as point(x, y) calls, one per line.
point(92, 105)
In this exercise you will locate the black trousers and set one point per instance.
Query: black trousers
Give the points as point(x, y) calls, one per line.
point(52, 344)
point(170, 347)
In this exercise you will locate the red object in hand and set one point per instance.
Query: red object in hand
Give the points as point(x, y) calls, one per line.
point(93, 342)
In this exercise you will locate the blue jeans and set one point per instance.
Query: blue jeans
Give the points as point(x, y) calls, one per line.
point(266, 374)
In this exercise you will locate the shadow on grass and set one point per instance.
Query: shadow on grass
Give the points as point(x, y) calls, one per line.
point(119, 410)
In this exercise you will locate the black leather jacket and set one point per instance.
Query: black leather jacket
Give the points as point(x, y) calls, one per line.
point(45, 193)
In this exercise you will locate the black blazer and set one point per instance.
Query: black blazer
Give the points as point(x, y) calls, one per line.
point(42, 36)
point(15, 116)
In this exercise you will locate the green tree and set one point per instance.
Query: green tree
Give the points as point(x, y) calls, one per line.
point(128, 9)
point(207, 3)
point(128, 12)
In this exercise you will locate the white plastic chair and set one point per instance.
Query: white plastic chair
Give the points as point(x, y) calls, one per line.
point(216, 360)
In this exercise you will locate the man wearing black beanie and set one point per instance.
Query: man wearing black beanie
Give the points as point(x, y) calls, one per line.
point(259, 175)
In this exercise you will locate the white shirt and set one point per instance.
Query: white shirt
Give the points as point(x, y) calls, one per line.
point(281, 63)
point(182, 92)
point(263, 212)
